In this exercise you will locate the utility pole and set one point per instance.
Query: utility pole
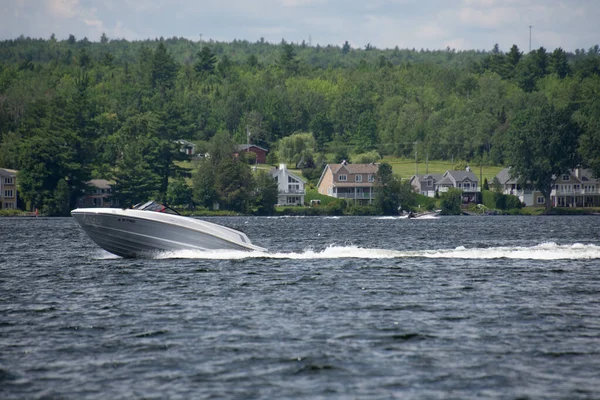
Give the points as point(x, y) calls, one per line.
point(480, 175)
point(530, 26)
point(248, 137)
point(416, 163)
point(200, 40)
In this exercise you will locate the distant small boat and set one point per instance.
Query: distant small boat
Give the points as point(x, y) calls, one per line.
point(151, 228)
point(423, 215)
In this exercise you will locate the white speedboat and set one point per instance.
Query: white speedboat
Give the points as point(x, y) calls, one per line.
point(151, 227)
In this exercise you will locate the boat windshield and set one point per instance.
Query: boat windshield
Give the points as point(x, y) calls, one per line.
point(154, 206)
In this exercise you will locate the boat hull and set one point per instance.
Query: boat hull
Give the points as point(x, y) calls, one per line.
point(134, 233)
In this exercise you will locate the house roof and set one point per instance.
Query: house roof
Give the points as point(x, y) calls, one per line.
point(504, 177)
point(355, 168)
point(585, 175)
point(424, 177)
point(185, 142)
point(350, 169)
point(461, 175)
point(445, 181)
point(242, 147)
point(100, 183)
point(9, 172)
point(276, 170)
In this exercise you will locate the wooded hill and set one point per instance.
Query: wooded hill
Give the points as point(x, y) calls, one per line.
point(75, 109)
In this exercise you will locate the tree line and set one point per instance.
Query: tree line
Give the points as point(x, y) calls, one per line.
point(74, 110)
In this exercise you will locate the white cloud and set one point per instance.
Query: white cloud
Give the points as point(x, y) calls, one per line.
point(120, 31)
point(492, 18)
point(433, 24)
point(93, 22)
point(63, 8)
point(431, 31)
point(457, 43)
point(299, 3)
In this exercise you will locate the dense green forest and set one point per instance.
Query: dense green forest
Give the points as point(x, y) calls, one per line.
point(74, 110)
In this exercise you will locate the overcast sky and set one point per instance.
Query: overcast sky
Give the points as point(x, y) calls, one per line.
point(428, 24)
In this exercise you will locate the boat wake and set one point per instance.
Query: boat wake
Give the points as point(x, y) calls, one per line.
point(544, 251)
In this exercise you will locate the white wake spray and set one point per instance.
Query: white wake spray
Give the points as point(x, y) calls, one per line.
point(544, 251)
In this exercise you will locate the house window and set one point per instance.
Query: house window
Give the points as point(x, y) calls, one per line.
point(371, 178)
point(293, 200)
point(541, 200)
point(566, 177)
point(358, 178)
point(467, 186)
point(8, 193)
point(9, 205)
point(342, 178)
point(459, 185)
point(8, 181)
point(293, 184)
point(429, 182)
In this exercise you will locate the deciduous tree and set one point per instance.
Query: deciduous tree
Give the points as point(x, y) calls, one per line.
point(542, 146)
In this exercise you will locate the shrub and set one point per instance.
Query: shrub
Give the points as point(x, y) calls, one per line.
point(451, 202)
point(500, 201)
point(336, 207)
point(512, 202)
point(361, 210)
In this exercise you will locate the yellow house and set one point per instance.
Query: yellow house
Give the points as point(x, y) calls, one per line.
point(8, 189)
point(349, 181)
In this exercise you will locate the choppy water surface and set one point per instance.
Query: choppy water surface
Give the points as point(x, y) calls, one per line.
point(350, 307)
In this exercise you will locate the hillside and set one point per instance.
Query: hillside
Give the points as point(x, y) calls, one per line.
point(111, 108)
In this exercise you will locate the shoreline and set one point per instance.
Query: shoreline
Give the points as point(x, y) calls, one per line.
point(315, 212)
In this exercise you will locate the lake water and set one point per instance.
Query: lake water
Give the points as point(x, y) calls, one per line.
point(349, 307)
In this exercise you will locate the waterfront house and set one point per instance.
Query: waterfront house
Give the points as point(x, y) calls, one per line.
point(430, 184)
point(425, 184)
point(8, 189)
point(349, 181)
point(290, 187)
point(510, 185)
point(98, 194)
point(575, 188)
point(463, 180)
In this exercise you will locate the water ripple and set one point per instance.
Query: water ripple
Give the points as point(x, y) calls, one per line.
point(355, 307)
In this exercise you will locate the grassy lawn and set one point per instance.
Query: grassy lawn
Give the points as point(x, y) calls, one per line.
point(406, 168)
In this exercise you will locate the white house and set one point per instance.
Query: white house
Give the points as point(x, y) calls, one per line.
point(574, 188)
point(511, 186)
point(290, 186)
point(466, 181)
point(425, 184)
